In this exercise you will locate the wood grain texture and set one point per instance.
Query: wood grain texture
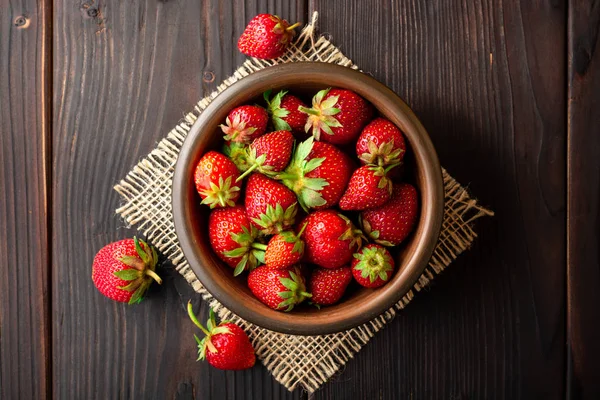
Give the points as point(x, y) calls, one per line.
point(124, 74)
point(24, 101)
point(583, 290)
point(487, 78)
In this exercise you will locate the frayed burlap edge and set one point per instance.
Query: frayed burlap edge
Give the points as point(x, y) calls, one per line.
point(294, 361)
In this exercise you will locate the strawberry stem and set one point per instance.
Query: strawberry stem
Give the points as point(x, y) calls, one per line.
point(194, 319)
point(259, 246)
point(248, 171)
point(391, 166)
point(299, 235)
point(154, 276)
point(292, 27)
point(307, 110)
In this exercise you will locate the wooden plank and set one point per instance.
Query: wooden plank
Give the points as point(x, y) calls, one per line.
point(125, 73)
point(583, 290)
point(487, 78)
point(24, 135)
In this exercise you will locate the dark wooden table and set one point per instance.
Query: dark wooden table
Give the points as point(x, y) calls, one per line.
point(509, 92)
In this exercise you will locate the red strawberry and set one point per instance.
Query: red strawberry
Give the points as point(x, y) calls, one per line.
point(215, 179)
point(285, 113)
point(270, 153)
point(245, 123)
point(266, 36)
point(381, 143)
point(284, 249)
point(369, 187)
point(337, 116)
point(391, 223)
point(124, 270)
point(372, 266)
point(225, 346)
point(318, 174)
point(330, 239)
point(271, 207)
point(327, 286)
point(280, 289)
point(232, 237)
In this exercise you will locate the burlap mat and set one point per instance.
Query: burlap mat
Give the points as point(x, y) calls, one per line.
point(294, 361)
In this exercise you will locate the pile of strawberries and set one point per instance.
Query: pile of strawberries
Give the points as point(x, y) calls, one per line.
point(306, 199)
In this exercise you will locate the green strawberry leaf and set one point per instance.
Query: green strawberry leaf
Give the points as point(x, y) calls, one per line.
point(281, 113)
point(154, 257)
point(298, 247)
point(318, 98)
point(267, 96)
point(331, 121)
point(131, 261)
point(210, 324)
point(285, 295)
point(141, 252)
point(325, 128)
point(276, 102)
point(309, 198)
point(330, 111)
point(303, 150)
point(240, 251)
point(259, 255)
point(329, 103)
point(312, 164)
point(315, 183)
point(138, 295)
point(132, 286)
point(221, 330)
point(280, 124)
point(241, 265)
point(289, 283)
point(287, 304)
point(127, 274)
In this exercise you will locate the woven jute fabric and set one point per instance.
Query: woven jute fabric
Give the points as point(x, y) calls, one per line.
point(294, 361)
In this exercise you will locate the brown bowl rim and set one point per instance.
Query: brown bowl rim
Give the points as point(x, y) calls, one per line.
point(431, 210)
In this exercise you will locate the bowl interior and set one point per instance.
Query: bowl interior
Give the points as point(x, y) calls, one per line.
point(358, 305)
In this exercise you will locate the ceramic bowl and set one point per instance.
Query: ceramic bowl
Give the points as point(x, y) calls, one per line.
point(359, 305)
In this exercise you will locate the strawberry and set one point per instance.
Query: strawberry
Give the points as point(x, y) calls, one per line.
point(270, 153)
point(391, 223)
point(369, 187)
point(339, 113)
point(215, 179)
point(245, 123)
point(327, 286)
point(381, 143)
point(285, 113)
point(372, 266)
point(284, 249)
point(124, 270)
point(280, 289)
point(225, 346)
point(266, 36)
point(318, 174)
point(330, 239)
point(233, 238)
point(271, 207)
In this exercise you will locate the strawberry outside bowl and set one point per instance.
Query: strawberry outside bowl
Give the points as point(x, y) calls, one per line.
point(359, 305)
